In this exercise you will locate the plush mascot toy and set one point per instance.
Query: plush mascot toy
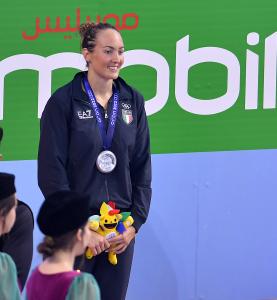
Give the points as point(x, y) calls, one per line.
point(109, 224)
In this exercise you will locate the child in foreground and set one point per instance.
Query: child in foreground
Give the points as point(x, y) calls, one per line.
point(9, 288)
point(63, 219)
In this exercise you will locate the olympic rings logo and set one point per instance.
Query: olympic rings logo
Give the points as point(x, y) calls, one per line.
point(126, 106)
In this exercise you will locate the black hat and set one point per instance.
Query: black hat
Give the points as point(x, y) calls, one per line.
point(7, 187)
point(63, 212)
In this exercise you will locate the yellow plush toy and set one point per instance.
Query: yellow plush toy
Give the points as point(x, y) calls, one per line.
point(109, 224)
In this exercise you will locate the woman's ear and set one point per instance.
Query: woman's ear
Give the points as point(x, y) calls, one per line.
point(2, 221)
point(86, 53)
point(79, 234)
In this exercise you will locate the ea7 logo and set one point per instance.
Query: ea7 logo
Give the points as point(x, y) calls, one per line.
point(85, 114)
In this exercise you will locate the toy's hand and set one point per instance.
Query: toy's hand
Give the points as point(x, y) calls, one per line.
point(121, 241)
point(97, 243)
point(129, 221)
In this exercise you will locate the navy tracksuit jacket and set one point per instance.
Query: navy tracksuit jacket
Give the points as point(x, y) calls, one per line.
point(70, 143)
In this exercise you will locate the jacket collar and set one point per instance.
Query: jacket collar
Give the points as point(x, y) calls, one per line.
point(79, 93)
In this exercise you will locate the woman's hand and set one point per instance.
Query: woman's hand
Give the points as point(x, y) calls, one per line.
point(121, 241)
point(98, 243)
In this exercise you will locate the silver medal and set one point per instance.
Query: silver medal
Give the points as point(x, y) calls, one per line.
point(106, 161)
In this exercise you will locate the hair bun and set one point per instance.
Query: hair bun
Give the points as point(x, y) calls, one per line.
point(85, 28)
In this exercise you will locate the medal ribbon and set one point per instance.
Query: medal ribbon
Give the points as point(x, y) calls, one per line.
point(106, 137)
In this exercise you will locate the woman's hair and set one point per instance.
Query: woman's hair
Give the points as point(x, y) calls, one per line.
point(88, 32)
point(50, 245)
point(7, 204)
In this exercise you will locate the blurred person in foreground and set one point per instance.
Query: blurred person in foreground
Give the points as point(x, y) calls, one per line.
point(18, 243)
point(9, 288)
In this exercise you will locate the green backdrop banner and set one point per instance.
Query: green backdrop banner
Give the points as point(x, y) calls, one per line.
point(207, 69)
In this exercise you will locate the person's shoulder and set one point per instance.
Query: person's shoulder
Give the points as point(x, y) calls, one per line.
point(61, 92)
point(66, 91)
point(6, 263)
point(7, 268)
point(84, 286)
point(8, 283)
point(85, 277)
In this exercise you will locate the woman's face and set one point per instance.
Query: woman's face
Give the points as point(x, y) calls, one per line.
point(7, 222)
point(107, 56)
